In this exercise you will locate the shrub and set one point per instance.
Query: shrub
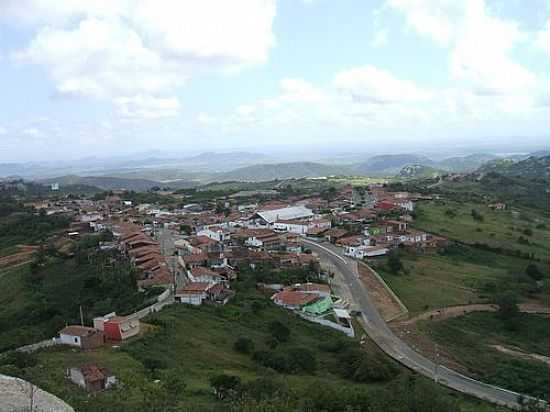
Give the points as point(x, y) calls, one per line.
point(279, 331)
point(244, 345)
point(226, 386)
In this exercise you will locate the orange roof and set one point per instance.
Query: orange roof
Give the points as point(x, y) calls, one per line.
point(195, 287)
point(294, 298)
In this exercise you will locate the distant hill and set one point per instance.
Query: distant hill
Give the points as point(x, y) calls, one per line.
point(465, 163)
point(113, 183)
point(530, 168)
point(419, 172)
point(267, 172)
point(390, 164)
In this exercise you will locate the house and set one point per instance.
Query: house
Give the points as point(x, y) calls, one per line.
point(117, 328)
point(204, 275)
point(92, 377)
point(216, 233)
point(497, 206)
point(333, 235)
point(293, 300)
point(194, 293)
point(81, 336)
point(307, 302)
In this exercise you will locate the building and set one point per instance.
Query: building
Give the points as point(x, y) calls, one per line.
point(196, 293)
point(82, 337)
point(92, 377)
point(117, 328)
point(269, 217)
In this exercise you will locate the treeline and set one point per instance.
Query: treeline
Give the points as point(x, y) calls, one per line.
point(25, 226)
point(57, 285)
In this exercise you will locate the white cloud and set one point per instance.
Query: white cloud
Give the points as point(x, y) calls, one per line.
point(380, 38)
point(33, 132)
point(147, 107)
point(480, 43)
point(141, 51)
point(434, 19)
point(298, 90)
point(369, 84)
point(3, 130)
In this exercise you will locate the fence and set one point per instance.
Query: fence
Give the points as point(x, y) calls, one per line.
point(348, 331)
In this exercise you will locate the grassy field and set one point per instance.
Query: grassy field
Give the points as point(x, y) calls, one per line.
point(502, 229)
point(197, 343)
point(355, 180)
point(472, 340)
point(473, 276)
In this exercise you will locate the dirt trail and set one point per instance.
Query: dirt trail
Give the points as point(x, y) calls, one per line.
point(520, 354)
point(456, 311)
point(23, 255)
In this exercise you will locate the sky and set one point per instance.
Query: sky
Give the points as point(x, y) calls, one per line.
point(109, 77)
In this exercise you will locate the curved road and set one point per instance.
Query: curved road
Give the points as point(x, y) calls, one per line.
point(383, 336)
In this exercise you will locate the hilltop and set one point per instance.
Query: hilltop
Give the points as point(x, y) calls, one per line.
point(266, 172)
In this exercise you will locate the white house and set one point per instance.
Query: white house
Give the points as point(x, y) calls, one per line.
point(216, 233)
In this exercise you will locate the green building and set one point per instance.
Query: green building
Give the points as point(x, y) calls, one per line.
point(318, 307)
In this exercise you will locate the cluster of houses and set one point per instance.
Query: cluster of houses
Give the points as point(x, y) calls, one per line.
point(196, 251)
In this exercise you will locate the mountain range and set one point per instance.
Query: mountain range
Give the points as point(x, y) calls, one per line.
point(184, 172)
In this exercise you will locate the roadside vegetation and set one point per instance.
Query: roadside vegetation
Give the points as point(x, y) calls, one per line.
point(248, 355)
point(499, 348)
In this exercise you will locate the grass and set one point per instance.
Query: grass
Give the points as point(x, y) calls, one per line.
point(355, 180)
point(471, 338)
point(198, 344)
point(498, 228)
point(8, 250)
point(465, 276)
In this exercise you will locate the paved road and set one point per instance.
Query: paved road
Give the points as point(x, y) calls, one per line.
point(383, 336)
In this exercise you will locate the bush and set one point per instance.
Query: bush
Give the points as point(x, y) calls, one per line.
point(226, 386)
point(279, 331)
point(244, 345)
point(357, 365)
point(477, 216)
point(394, 262)
point(534, 272)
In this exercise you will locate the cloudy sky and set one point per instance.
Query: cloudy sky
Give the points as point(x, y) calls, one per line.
point(100, 77)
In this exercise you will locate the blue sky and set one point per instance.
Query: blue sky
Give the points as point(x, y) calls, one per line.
point(110, 77)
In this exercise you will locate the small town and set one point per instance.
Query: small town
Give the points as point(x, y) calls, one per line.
point(274, 206)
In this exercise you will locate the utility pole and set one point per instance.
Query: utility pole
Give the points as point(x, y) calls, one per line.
point(81, 317)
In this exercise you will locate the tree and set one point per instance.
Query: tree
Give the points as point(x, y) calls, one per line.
point(244, 345)
point(226, 386)
point(394, 262)
point(279, 331)
point(507, 306)
point(534, 272)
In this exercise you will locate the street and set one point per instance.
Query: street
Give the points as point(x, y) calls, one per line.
point(383, 336)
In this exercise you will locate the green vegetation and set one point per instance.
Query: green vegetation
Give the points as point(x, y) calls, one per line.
point(459, 275)
point(499, 229)
point(479, 341)
point(27, 226)
point(190, 352)
point(46, 295)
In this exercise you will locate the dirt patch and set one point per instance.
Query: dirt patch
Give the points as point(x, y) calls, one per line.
point(428, 348)
point(456, 311)
point(386, 304)
point(522, 355)
point(23, 255)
